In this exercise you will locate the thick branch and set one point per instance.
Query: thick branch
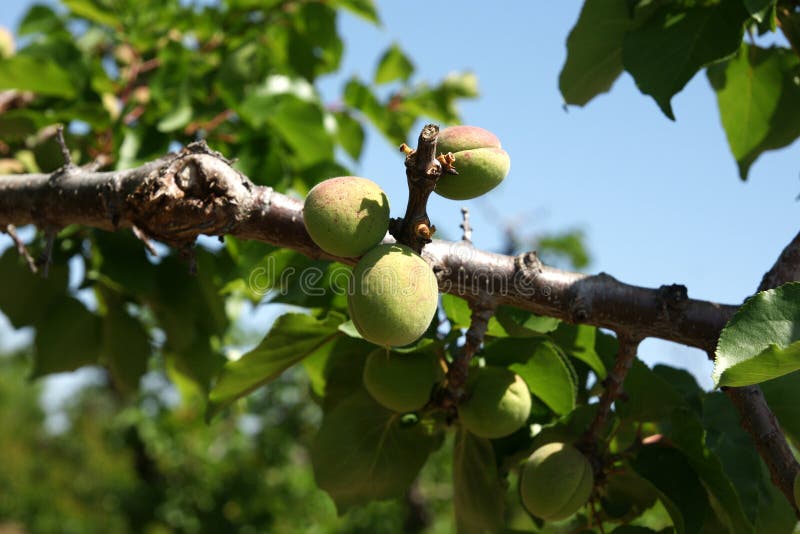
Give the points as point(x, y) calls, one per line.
point(757, 417)
point(179, 197)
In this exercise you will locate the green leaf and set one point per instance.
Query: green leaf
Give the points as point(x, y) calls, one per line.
point(688, 435)
point(26, 298)
point(365, 452)
point(762, 340)
point(125, 348)
point(578, 341)
point(460, 316)
point(393, 65)
point(39, 75)
point(293, 337)
point(363, 8)
point(478, 489)
point(520, 323)
point(540, 363)
point(762, 502)
point(594, 50)
point(67, 337)
point(759, 101)
point(648, 396)
point(350, 134)
point(756, 8)
point(178, 116)
point(783, 397)
point(336, 370)
point(91, 11)
point(301, 125)
point(665, 52)
point(681, 491)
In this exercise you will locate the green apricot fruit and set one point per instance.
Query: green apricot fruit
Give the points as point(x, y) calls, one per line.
point(556, 481)
point(497, 402)
point(394, 295)
point(480, 161)
point(346, 216)
point(401, 382)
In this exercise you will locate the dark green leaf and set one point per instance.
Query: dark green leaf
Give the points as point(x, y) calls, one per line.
point(26, 297)
point(520, 323)
point(578, 341)
point(540, 363)
point(762, 341)
point(363, 8)
point(759, 101)
point(669, 471)
point(783, 396)
point(594, 50)
point(125, 348)
point(89, 9)
point(393, 65)
point(67, 337)
point(762, 502)
point(688, 435)
point(336, 370)
point(648, 396)
point(350, 134)
point(293, 337)
point(665, 52)
point(40, 19)
point(758, 7)
point(478, 489)
point(365, 452)
point(42, 76)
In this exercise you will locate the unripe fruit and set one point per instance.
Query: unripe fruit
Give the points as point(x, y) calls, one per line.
point(480, 162)
point(498, 403)
point(394, 297)
point(346, 216)
point(401, 382)
point(556, 481)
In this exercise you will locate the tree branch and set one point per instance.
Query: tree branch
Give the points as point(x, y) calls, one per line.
point(626, 354)
point(757, 417)
point(180, 196)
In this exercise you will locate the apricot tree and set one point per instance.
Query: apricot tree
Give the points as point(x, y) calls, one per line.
point(409, 342)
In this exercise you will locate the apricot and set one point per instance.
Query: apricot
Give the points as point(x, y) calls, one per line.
point(556, 481)
point(394, 295)
point(401, 382)
point(497, 402)
point(346, 216)
point(480, 161)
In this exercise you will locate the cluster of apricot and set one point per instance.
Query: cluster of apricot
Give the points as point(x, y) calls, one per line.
point(394, 297)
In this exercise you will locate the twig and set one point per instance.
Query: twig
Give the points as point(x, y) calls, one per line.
point(626, 354)
point(46, 258)
point(459, 369)
point(21, 248)
point(141, 236)
point(62, 144)
point(467, 235)
point(423, 170)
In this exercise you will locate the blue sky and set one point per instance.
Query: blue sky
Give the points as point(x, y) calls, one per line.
point(660, 201)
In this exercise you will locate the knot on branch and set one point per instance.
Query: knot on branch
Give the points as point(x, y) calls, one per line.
point(197, 192)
